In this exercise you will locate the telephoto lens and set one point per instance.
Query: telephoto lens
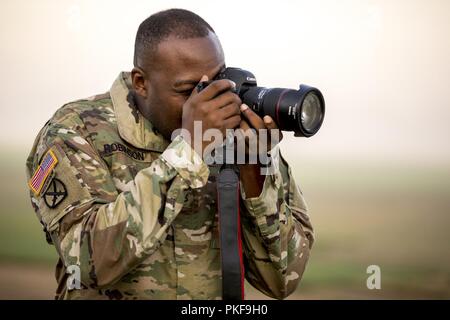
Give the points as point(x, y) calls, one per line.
point(301, 111)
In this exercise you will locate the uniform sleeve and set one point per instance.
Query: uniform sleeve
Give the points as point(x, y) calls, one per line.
point(104, 232)
point(277, 233)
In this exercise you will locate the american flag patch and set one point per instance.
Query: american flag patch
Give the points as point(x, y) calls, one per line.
point(40, 175)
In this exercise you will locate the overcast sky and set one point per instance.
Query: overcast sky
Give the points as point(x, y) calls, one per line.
point(383, 66)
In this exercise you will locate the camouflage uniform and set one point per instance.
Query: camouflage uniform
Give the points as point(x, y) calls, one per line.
point(140, 217)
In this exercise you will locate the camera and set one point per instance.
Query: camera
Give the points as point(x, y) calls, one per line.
point(301, 111)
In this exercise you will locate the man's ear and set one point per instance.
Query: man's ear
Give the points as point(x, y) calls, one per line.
point(138, 82)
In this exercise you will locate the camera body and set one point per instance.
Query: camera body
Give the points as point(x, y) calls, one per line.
point(244, 79)
point(301, 111)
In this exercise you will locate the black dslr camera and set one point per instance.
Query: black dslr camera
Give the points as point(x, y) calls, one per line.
point(301, 111)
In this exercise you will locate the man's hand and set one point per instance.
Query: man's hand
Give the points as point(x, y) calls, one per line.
point(250, 174)
point(216, 106)
point(250, 120)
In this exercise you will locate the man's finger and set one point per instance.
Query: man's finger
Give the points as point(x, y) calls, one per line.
point(242, 137)
point(230, 110)
point(226, 98)
point(274, 137)
point(252, 118)
point(244, 125)
point(269, 123)
point(216, 87)
point(232, 122)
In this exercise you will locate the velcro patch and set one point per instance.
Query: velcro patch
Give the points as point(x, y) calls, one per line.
point(42, 172)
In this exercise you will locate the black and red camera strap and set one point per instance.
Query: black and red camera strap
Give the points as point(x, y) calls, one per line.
point(228, 195)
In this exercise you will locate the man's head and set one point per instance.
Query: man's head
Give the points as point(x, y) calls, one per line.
point(173, 49)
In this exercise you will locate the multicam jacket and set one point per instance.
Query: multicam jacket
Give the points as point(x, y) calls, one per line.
point(137, 214)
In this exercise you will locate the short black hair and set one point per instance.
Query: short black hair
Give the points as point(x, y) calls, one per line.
point(180, 23)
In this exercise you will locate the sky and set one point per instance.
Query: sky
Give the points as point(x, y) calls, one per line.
point(382, 66)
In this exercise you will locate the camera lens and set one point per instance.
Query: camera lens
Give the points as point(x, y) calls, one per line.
point(301, 111)
point(311, 112)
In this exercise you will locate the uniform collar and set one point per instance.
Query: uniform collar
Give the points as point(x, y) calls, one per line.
point(132, 126)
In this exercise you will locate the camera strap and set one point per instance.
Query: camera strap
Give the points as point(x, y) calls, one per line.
point(230, 233)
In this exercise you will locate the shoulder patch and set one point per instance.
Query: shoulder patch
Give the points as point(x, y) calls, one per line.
point(42, 172)
point(55, 193)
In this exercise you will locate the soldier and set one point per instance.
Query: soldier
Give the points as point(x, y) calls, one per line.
point(135, 210)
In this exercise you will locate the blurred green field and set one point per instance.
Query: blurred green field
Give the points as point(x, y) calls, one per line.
point(393, 216)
